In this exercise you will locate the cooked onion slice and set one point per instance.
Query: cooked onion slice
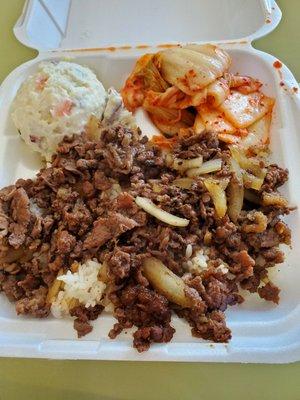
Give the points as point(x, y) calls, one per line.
point(206, 168)
point(217, 192)
point(183, 183)
point(170, 219)
point(254, 165)
point(54, 288)
point(251, 181)
point(182, 165)
point(235, 191)
point(259, 222)
point(166, 282)
point(274, 199)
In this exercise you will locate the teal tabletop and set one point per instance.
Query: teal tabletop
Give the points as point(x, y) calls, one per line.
point(88, 380)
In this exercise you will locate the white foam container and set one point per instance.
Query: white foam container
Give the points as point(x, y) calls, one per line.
point(58, 29)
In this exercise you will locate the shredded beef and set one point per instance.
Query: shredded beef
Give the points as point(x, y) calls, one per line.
point(275, 177)
point(82, 207)
point(82, 317)
point(143, 337)
point(35, 304)
point(107, 228)
point(119, 263)
point(4, 222)
point(269, 292)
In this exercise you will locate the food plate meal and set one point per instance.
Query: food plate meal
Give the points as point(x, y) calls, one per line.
point(148, 204)
point(144, 228)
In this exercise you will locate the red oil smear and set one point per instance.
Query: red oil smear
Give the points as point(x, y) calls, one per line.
point(89, 49)
point(277, 64)
point(111, 49)
point(234, 42)
point(167, 45)
point(281, 83)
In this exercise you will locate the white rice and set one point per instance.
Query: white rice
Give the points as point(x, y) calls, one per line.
point(82, 285)
point(222, 268)
point(189, 251)
point(198, 263)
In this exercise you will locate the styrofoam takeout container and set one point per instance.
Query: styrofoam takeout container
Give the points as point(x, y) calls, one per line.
point(108, 36)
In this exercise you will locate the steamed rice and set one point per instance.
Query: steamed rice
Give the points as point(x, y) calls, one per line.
point(82, 285)
point(198, 263)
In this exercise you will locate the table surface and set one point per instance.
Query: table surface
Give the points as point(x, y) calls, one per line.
point(88, 380)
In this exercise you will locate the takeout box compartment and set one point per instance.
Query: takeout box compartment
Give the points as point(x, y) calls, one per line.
point(108, 37)
point(69, 24)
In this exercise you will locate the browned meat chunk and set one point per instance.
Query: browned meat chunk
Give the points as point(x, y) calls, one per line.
point(269, 292)
point(20, 213)
point(65, 242)
point(107, 228)
point(35, 304)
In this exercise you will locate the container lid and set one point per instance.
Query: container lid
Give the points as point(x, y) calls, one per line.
point(70, 24)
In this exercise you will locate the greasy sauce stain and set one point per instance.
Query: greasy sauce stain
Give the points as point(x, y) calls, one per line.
point(234, 42)
point(91, 49)
point(167, 45)
point(281, 83)
point(268, 21)
point(142, 46)
point(277, 64)
point(112, 48)
point(295, 89)
point(127, 47)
